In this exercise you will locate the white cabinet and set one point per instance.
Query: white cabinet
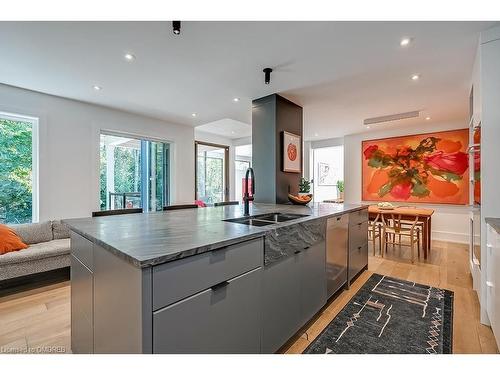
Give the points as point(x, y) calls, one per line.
point(493, 281)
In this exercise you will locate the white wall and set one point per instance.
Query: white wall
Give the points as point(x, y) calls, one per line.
point(69, 149)
point(449, 222)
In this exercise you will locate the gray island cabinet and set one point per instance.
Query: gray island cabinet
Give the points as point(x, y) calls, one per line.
point(189, 282)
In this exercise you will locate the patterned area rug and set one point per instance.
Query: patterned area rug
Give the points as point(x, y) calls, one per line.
point(390, 316)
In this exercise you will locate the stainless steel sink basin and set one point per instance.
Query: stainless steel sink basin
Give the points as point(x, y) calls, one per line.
point(279, 217)
point(265, 219)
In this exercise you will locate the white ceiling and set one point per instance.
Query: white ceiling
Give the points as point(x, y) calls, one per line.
point(227, 128)
point(340, 72)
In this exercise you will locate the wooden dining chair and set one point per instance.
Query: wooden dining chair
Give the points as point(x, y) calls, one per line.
point(374, 232)
point(409, 223)
point(179, 207)
point(123, 211)
point(229, 203)
point(393, 232)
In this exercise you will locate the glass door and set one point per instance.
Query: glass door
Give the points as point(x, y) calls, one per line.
point(212, 172)
point(134, 173)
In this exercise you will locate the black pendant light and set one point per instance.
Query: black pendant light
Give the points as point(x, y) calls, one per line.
point(176, 26)
point(267, 75)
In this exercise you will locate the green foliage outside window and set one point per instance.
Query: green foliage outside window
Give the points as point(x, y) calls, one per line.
point(15, 171)
point(210, 176)
point(127, 174)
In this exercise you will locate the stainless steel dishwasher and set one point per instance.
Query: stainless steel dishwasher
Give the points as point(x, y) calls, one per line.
point(337, 247)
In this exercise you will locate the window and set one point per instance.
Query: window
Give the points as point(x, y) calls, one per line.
point(243, 161)
point(18, 169)
point(133, 173)
point(328, 170)
point(212, 172)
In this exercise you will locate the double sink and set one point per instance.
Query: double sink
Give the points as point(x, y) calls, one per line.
point(265, 219)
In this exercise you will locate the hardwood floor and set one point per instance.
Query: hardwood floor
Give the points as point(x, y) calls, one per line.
point(39, 320)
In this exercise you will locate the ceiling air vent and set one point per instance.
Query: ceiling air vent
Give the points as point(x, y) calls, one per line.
point(397, 116)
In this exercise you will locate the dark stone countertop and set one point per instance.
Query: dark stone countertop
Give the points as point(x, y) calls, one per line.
point(494, 222)
point(158, 237)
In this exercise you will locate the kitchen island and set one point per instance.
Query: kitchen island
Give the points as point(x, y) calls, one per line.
point(189, 281)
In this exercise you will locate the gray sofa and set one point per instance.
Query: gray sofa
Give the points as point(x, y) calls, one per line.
point(49, 249)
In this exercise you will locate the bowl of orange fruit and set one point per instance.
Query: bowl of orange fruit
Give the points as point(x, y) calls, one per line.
point(301, 199)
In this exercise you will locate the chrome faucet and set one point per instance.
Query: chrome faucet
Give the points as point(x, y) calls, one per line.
point(246, 197)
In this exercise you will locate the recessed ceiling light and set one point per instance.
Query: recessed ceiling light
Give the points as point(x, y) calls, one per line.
point(415, 77)
point(368, 126)
point(427, 118)
point(315, 134)
point(193, 114)
point(236, 99)
point(97, 88)
point(129, 57)
point(405, 42)
point(232, 132)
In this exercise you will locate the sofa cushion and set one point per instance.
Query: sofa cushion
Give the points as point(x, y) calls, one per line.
point(9, 240)
point(34, 233)
point(37, 251)
point(59, 230)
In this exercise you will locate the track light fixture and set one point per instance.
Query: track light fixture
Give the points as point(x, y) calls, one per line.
point(267, 75)
point(176, 26)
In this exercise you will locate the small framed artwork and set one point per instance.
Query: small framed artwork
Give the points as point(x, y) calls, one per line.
point(326, 175)
point(292, 152)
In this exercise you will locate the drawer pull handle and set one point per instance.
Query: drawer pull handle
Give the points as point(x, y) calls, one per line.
point(297, 251)
point(360, 247)
point(220, 285)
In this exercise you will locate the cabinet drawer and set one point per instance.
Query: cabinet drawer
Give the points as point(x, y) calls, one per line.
point(358, 235)
point(337, 221)
point(358, 259)
point(82, 249)
point(358, 217)
point(223, 320)
point(179, 279)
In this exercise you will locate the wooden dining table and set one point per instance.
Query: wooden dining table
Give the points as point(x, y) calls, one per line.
point(409, 213)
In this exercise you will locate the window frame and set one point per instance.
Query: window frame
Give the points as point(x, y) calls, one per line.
point(168, 190)
point(225, 172)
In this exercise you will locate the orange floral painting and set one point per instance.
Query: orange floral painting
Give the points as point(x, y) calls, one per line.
point(423, 168)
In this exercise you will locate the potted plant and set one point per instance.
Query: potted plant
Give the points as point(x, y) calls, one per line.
point(340, 188)
point(304, 187)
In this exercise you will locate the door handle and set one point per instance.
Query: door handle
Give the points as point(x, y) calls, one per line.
point(220, 285)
